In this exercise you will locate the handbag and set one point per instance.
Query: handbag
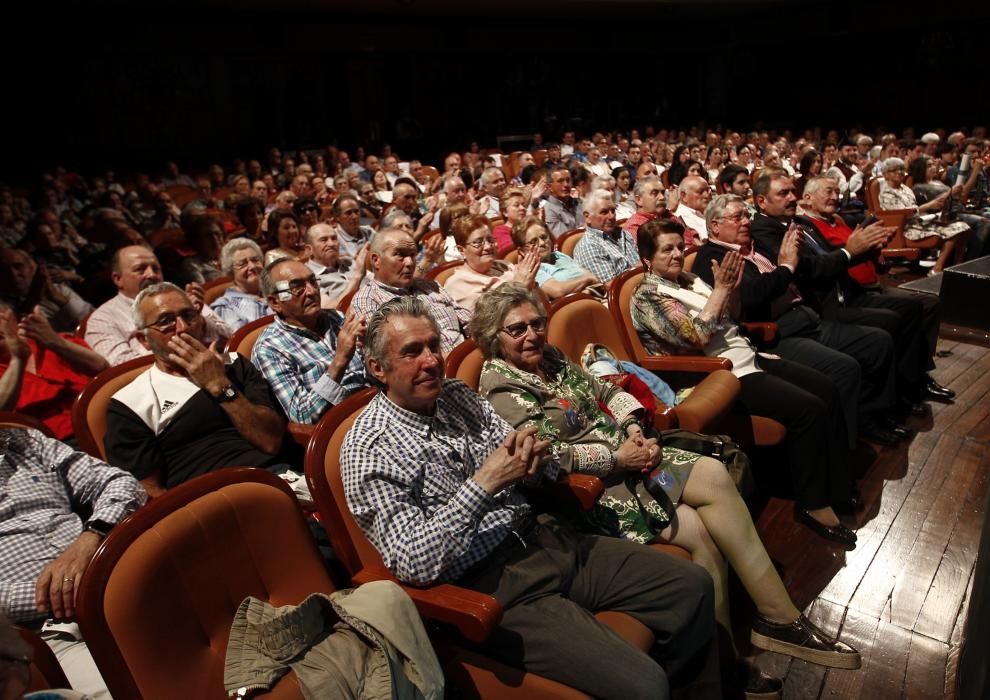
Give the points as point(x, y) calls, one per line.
point(722, 448)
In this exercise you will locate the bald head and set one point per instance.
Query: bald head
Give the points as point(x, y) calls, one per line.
point(695, 193)
point(134, 268)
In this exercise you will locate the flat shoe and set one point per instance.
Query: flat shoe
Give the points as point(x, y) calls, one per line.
point(802, 640)
point(839, 534)
point(755, 684)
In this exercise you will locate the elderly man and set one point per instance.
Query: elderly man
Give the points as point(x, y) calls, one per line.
point(337, 276)
point(650, 203)
point(493, 185)
point(110, 329)
point(858, 359)
point(858, 297)
point(405, 198)
point(241, 302)
point(28, 287)
point(605, 250)
point(695, 194)
point(393, 262)
point(560, 209)
point(308, 355)
point(852, 181)
point(193, 411)
point(430, 473)
point(46, 543)
point(350, 233)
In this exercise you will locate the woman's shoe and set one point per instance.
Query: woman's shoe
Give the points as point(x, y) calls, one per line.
point(802, 640)
point(837, 533)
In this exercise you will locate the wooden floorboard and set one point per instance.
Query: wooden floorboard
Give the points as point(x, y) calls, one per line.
point(901, 597)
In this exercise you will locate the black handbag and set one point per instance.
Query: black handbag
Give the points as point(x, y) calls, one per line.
point(722, 448)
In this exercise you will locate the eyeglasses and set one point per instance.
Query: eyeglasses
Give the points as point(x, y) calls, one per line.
point(479, 245)
point(297, 286)
point(308, 210)
point(166, 323)
point(517, 330)
point(737, 218)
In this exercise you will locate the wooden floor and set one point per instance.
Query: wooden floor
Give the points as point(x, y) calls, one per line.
point(901, 596)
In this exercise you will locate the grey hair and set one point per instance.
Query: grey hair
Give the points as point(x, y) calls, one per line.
point(815, 183)
point(893, 164)
point(489, 174)
point(375, 337)
point(600, 181)
point(717, 206)
point(863, 139)
point(147, 293)
point(233, 246)
point(595, 196)
point(490, 311)
point(682, 188)
point(644, 183)
point(388, 221)
point(378, 241)
point(267, 283)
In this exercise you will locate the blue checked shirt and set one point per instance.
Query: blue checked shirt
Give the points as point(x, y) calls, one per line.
point(606, 258)
point(294, 361)
point(407, 478)
point(237, 308)
point(453, 319)
point(42, 483)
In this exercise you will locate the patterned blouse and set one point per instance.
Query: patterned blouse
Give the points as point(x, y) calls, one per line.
point(915, 228)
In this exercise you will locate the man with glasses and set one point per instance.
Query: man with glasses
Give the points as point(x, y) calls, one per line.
point(309, 355)
point(605, 250)
point(351, 234)
point(194, 410)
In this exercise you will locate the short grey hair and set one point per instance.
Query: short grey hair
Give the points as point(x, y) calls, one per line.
point(490, 311)
point(375, 337)
point(601, 180)
point(717, 207)
point(233, 246)
point(893, 164)
point(148, 292)
point(595, 196)
point(267, 283)
point(863, 140)
point(815, 183)
point(489, 174)
point(644, 183)
point(378, 241)
point(449, 183)
point(391, 216)
point(682, 187)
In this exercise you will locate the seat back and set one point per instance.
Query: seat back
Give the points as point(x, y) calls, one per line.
point(243, 340)
point(441, 273)
point(579, 319)
point(11, 419)
point(873, 195)
point(511, 255)
point(569, 240)
point(619, 299)
point(89, 412)
point(214, 289)
point(464, 362)
point(158, 599)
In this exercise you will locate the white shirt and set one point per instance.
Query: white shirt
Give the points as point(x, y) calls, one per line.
point(692, 219)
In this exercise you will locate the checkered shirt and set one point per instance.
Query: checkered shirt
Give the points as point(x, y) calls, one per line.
point(237, 308)
point(604, 257)
point(294, 362)
point(453, 319)
point(408, 483)
point(42, 483)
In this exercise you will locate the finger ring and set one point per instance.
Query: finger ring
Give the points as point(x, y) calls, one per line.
point(67, 579)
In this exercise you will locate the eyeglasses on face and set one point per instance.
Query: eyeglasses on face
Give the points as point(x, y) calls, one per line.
point(538, 240)
point(166, 323)
point(297, 286)
point(480, 244)
point(738, 217)
point(517, 330)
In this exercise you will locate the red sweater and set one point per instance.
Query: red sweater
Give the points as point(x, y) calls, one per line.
point(838, 233)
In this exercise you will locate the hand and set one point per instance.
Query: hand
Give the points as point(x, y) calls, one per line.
point(537, 190)
point(36, 327)
point(202, 364)
point(519, 455)
point(728, 275)
point(58, 583)
point(349, 338)
point(17, 346)
point(637, 453)
point(479, 206)
point(790, 248)
point(195, 292)
point(526, 269)
point(360, 261)
point(865, 239)
point(434, 250)
point(432, 204)
point(634, 431)
point(49, 290)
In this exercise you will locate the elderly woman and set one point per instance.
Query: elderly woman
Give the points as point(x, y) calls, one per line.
point(558, 274)
point(676, 313)
point(284, 238)
point(894, 194)
point(594, 429)
point(481, 270)
point(242, 302)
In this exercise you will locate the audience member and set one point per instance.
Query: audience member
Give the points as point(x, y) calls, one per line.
point(694, 196)
point(558, 274)
point(351, 235)
point(561, 211)
point(284, 238)
point(28, 287)
point(605, 250)
point(205, 236)
point(241, 303)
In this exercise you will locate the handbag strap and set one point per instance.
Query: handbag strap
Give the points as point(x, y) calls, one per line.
point(707, 445)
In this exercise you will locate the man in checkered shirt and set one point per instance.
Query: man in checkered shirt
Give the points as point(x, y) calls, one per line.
point(605, 249)
point(429, 472)
point(45, 546)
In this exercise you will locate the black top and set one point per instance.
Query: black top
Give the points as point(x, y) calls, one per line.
point(199, 439)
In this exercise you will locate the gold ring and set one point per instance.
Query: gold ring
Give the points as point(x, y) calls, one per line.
point(67, 579)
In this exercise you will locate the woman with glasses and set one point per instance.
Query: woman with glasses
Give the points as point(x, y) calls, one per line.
point(558, 274)
point(594, 428)
point(241, 302)
point(482, 270)
point(676, 313)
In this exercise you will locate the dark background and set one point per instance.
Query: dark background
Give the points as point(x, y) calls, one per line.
point(121, 86)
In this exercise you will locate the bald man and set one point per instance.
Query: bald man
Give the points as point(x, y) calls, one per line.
point(695, 194)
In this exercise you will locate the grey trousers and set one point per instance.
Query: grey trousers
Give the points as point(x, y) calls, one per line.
point(550, 589)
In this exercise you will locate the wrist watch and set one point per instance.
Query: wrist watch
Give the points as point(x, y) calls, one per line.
point(227, 393)
point(100, 527)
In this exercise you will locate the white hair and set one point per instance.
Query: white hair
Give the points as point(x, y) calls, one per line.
point(930, 137)
point(595, 196)
point(233, 246)
point(893, 164)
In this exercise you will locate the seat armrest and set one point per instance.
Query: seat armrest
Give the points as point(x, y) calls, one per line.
point(710, 400)
point(684, 363)
point(301, 433)
point(761, 332)
point(473, 614)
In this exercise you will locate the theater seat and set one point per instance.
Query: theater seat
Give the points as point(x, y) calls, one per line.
point(46, 673)
point(466, 614)
point(214, 289)
point(157, 602)
point(89, 412)
point(567, 241)
point(243, 340)
point(443, 271)
point(898, 246)
point(11, 419)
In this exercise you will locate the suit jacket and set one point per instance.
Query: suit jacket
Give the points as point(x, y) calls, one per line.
point(764, 296)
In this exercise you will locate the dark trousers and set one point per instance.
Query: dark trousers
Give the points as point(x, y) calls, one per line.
point(549, 590)
point(809, 405)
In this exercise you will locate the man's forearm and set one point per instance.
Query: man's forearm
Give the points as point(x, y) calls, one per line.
point(259, 425)
point(10, 384)
point(79, 358)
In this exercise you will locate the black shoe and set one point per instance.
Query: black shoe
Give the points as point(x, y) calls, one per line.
point(937, 392)
point(754, 683)
point(914, 408)
point(840, 534)
point(901, 431)
point(874, 432)
point(802, 640)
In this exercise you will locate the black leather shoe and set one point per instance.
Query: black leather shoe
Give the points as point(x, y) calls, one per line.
point(901, 431)
point(754, 683)
point(840, 534)
point(802, 640)
point(937, 392)
point(874, 432)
